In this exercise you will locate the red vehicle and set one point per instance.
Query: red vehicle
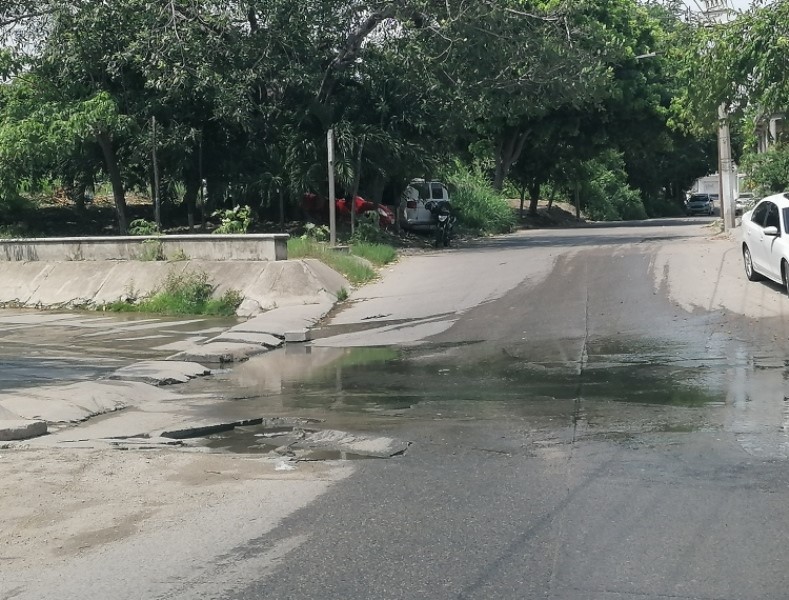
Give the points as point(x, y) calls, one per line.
point(317, 209)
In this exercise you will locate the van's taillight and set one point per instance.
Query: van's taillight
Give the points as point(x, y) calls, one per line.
point(410, 204)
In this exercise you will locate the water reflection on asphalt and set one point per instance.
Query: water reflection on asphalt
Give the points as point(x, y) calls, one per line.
point(620, 389)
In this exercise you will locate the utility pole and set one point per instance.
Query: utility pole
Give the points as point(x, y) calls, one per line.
point(718, 12)
point(725, 169)
point(332, 202)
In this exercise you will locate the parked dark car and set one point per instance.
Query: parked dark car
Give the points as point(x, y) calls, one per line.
point(700, 204)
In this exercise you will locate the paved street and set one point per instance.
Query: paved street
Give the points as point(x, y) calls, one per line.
point(595, 414)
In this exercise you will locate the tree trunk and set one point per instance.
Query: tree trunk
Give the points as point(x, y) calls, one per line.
point(507, 153)
point(534, 198)
point(118, 191)
point(551, 198)
point(523, 200)
point(357, 178)
point(282, 208)
point(578, 201)
point(377, 190)
point(252, 19)
point(190, 199)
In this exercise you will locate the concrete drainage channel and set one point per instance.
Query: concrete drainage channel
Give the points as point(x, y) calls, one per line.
point(135, 411)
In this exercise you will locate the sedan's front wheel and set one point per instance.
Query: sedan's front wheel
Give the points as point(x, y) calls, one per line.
point(750, 272)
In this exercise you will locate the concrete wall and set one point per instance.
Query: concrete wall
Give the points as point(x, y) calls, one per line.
point(263, 284)
point(269, 247)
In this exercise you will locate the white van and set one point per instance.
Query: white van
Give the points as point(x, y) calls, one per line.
point(412, 212)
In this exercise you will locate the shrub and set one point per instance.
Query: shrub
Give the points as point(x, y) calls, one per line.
point(13, 231)
point(236, 220)
point(368, 229)
point(187, 293)
point(768, 171)
point(476, 204)
point(143, 227)
point(318, 233)
point(607, 195)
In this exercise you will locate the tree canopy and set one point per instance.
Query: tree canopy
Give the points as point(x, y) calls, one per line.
point(243, 93)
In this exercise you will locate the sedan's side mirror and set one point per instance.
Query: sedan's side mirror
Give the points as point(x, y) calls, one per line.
point(772, 230)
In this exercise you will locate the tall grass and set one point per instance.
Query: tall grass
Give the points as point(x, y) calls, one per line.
point(476, 204)
point(188, 293)
point(378, 254)
point(355, 270)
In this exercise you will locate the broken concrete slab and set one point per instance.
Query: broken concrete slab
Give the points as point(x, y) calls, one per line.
point(161, 372)
point(249, 337)
point(219, 353)
point(204, 428)
point(278, 321)
point(76, 402)
point(142, 443)
point(21, 429)
point(351, 443)
point(297, 335)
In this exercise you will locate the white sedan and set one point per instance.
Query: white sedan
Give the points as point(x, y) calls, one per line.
point(765, 240)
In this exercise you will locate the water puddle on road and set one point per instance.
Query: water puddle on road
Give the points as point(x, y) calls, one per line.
point(280, 441)
point(619, 387)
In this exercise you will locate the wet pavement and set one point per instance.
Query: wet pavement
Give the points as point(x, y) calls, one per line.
point(46, 347)
point(577, 435)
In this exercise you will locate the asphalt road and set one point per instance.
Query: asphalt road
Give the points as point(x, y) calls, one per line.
point(577, 434)
point(585, 426)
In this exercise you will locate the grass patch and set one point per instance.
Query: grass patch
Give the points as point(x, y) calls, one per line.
point(378, 254)
point(355, 270)
point(186, 293)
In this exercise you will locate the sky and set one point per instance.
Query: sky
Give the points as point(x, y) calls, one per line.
point(736, 4)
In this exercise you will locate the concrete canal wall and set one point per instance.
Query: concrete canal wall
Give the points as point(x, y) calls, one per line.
point(268, 247)
point(264, 284)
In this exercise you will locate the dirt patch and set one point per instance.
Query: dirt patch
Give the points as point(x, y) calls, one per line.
point(58, 505)
point(560, 214)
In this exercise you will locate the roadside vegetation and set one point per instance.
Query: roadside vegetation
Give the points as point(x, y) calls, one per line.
point(357, 264)
point(477, 205)
point(89, 91)
point(187, 293)
point(741, 68)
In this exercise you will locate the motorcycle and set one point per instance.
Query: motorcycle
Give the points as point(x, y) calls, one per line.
point(441, 211)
